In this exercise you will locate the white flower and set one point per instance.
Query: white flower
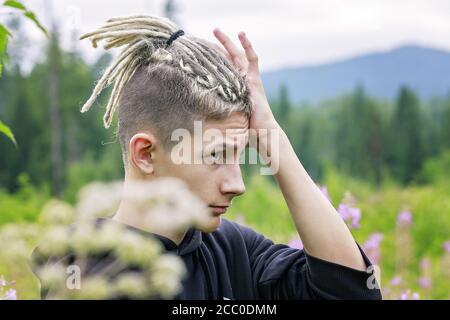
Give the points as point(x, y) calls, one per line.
point(99, 199)
point(132, 285)
point(83, 239)
point(108, 236)
point(55, 242)
point(166, 204)
point(52, 277)
point(169, 264)
point(57, 212)
point(92, 288)
point(166, 276)
point(135, 249)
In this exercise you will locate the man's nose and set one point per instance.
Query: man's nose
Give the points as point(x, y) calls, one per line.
point(232, 183)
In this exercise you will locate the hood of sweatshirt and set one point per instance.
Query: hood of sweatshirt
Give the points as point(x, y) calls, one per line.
point(191, 242)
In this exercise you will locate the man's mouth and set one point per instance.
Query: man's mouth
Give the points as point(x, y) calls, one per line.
point(218, 210)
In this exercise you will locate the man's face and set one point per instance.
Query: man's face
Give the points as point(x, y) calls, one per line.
point(215, 176)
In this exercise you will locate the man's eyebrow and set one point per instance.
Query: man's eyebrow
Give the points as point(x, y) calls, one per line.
point(226, 145)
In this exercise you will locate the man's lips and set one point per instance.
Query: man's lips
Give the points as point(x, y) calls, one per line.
point(219, 209)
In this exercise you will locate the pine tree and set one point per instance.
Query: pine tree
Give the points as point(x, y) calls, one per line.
point(406, 127)
point(284, 104)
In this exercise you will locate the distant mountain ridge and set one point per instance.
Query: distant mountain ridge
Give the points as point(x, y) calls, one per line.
point(425, 70)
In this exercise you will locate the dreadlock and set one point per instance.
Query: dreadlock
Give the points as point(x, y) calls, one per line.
point(204, 69)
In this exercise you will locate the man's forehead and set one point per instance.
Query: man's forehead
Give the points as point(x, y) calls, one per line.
point(236, 121)
point(228, 137)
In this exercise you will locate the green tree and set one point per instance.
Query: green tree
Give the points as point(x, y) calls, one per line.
point(445, 139)
point(407, 149)
point(284, 104)
point(5, 34)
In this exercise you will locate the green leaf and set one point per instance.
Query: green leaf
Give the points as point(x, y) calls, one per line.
point(3, 42)
point(4, 30)
point(14, 4)
point(4, 33)
point(30, 15)
point(7, 132)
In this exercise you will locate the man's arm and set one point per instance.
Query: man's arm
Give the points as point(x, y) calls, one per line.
point(323, 232)
point(320, 227)
point(281, 272)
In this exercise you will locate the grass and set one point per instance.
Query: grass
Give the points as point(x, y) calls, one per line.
point(263, 208)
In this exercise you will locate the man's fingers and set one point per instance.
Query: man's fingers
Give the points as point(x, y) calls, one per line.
point(250, 53)
point(226, 42)
point(221, 50)
point(233, 51)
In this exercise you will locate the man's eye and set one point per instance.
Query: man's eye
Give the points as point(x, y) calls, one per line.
point(216, 156)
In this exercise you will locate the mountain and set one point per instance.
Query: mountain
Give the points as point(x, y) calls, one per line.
point(425, 70)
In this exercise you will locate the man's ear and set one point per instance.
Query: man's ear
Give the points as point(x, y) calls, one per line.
point(142, 152)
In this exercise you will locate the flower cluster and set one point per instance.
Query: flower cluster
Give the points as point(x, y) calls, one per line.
point(106, 259)
point(112, 261)
point(408, 295)
point(6, 290)
point(425, 281)
point(446, 246)
point(349, 212)
point(404, 219)
point(372, 247)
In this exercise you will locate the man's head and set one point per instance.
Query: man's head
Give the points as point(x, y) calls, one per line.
point(159, 89)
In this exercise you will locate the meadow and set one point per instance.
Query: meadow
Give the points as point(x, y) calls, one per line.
point(405, 231)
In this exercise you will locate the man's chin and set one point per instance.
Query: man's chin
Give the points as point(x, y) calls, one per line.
point(212, 224)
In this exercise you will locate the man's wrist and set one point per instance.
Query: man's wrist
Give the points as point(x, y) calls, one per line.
point(268, 124)
point(271, 140)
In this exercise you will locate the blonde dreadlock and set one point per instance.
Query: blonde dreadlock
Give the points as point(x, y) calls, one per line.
point(144, 38)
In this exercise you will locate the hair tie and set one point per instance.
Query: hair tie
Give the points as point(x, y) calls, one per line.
point(174, 36)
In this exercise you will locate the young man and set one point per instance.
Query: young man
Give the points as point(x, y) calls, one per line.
point(165, 81)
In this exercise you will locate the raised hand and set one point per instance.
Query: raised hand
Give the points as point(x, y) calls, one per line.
point(247, 64)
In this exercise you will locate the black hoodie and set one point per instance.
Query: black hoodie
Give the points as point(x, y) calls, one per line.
point(235, 262)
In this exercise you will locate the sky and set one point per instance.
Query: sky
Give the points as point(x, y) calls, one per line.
point(284, 32)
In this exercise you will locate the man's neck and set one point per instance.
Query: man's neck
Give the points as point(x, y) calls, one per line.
point(128, 217)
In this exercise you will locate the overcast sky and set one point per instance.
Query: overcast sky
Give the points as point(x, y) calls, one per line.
point(284, 33)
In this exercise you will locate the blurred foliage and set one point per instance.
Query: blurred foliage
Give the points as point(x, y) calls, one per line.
point(4, 35)
point(436, 169)
point(24, 205)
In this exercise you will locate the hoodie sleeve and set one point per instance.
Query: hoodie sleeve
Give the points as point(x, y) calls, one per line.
point(282, 272)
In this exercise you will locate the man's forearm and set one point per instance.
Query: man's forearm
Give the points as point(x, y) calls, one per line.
point(324, 234)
